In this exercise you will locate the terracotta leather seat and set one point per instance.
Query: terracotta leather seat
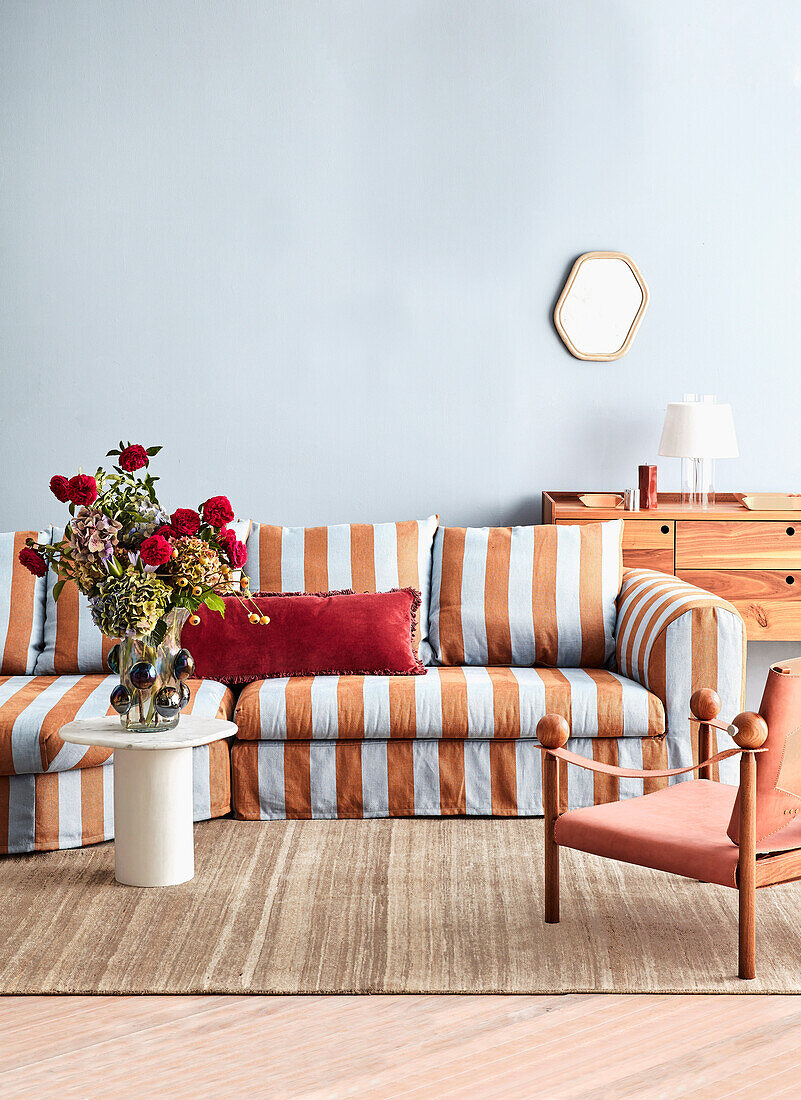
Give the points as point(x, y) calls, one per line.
point(681, 829)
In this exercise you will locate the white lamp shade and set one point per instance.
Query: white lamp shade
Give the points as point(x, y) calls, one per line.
point(698, 430)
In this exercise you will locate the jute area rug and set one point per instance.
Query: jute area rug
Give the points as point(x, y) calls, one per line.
point(403, 906)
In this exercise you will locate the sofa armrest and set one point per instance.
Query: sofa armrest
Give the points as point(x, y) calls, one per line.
point(674, 639)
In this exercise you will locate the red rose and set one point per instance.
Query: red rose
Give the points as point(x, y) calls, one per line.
point(83, 489)
point(217, 511)
point(155, 551)
point(33, 561)
point(165, 531)
point(133, 458)
point(234, 549)
point(60, 488)
point(185, 521)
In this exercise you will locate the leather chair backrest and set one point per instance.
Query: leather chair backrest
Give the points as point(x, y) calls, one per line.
point(778, 803)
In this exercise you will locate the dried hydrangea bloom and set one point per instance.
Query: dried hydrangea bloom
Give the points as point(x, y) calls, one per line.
point(196, 561)
point(130, 604)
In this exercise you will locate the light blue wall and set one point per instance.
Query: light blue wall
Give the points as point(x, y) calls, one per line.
point(313, 247)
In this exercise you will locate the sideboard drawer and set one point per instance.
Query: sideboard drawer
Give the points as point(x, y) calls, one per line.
point(768, 600)
point(754, 544)
point(647, 543)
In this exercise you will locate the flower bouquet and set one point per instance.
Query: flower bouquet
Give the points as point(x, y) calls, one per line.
point(145, 573)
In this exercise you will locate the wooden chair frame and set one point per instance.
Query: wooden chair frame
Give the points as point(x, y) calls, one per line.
point(748, 732)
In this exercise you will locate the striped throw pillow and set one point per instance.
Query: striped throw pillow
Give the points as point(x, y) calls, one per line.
point(22, 606)
point(367, 557)
point(72, 642)
point(526, 595)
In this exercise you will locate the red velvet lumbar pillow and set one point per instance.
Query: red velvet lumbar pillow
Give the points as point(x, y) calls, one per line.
point(320, 634)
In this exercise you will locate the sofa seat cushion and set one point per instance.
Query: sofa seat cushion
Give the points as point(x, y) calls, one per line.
point(34, 708)
point(681, 830)
point(470, 702)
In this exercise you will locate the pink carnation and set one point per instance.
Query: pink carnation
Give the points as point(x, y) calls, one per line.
point(83, 489)
point(155, 551)
point(185, 521)
point(60, 488)
point(235, 550)
point(33, 561)
point(133, 458)
point(217, 511)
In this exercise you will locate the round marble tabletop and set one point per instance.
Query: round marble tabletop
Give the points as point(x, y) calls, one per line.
point(109, 733)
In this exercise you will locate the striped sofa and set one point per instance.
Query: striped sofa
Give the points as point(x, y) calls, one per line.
point(618, 654)
point(461, 739)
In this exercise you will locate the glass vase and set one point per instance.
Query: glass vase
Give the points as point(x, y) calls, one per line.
point(152, 690)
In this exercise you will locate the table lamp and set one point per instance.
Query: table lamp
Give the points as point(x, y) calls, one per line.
point(698, 432)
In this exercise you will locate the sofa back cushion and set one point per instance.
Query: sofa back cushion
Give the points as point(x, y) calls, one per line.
point(526, 595)
point(72, 642)
point(22, 606)
point(366, 557)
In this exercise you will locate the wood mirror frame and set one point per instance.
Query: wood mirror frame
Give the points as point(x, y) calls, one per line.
point(588, 302)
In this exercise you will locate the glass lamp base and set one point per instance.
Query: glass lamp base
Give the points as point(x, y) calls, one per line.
point(698, 482)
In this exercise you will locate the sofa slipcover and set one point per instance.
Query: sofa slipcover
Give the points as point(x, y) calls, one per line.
point(404, 778)
point(671, 638)
point(469, 702)
point(57, 795)
point(51, 810)
point(34, 708)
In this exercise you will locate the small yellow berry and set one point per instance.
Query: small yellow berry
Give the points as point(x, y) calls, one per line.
point(182, 582)
point(253, 617)
point(243, 582)
point(264, 619)
point(196, 590)
point(195, 620)
point(174, 554)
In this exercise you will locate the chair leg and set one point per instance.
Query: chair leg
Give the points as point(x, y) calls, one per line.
point(746, 866)
point(747, 934)
point(551, 807)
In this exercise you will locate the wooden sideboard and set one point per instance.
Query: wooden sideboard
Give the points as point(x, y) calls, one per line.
point(752, 559)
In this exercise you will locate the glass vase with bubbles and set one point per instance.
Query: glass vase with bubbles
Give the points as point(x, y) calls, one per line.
point(153, 673)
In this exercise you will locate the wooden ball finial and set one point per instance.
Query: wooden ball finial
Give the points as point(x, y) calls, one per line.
point(752, 730)
point(553, 731)
point(705, 704)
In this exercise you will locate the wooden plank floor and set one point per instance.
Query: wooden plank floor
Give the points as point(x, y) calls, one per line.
point(326, 1048)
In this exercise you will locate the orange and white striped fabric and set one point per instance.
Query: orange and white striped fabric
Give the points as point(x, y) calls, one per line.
point(525, 595)
point(674, 638)
point(72, 642)
point(34, 708)
point(22, 605)
point(363, 556)
point(448, 703)
point(55, 795)
point(69, 809)
point(276, 780)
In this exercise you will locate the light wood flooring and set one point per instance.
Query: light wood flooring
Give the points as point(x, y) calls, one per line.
point(326, 1048)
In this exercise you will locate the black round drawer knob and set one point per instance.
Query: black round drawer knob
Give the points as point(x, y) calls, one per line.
point(791, 530)
point(790, 580)
point(665, 529)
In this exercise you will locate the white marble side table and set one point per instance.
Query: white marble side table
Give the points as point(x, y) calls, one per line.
point(153, 828)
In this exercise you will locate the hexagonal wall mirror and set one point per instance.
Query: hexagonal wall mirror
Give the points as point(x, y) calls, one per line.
point(601, 305)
